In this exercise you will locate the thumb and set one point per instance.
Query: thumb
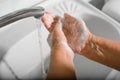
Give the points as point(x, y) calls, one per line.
point(58, 26)
point(58, 32)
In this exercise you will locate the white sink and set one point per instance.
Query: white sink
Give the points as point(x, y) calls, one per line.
point(19, 41)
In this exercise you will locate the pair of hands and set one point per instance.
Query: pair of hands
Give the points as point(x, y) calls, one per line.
point(69, 32)
point(72, 34)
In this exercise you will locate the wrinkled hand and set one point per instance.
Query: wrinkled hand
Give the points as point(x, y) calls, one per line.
point(74, 30)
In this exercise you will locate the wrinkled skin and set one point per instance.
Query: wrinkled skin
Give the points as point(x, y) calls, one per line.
point(74, 30)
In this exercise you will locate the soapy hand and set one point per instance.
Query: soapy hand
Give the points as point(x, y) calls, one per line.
point(54, 26)
point(74, 30)
point(56, 37)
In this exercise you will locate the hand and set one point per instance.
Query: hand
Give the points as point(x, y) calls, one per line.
point(76, 32)
point(56, 38)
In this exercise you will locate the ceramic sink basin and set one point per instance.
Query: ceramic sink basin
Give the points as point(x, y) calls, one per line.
point(20, 43)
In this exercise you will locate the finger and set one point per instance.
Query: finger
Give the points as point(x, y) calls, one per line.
point(53, 24)
point(48, 19)
point(69, 18)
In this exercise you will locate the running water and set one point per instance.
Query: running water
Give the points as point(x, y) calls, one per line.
point(39, 25)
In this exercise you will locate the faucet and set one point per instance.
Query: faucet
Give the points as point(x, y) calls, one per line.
point(37, 12)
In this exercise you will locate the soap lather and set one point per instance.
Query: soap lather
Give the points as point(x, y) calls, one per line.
point(37, 12)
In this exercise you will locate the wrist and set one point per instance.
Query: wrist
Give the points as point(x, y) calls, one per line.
point(89, 45)
point(93, 50)
point(62, 50)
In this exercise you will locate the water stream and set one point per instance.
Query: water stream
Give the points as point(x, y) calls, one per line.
point(39, 25)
